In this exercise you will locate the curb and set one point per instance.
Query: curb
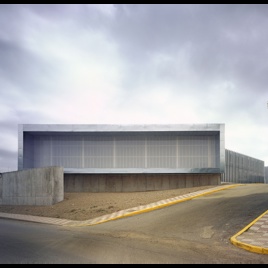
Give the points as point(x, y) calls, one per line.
point(119, 214)
point(246, 246)
point(150, 207)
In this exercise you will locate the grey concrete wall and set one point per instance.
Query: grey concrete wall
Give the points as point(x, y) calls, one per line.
point(135, 182)
point(266, 174)
point(39, 186)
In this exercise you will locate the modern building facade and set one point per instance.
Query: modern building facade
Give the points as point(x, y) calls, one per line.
point(241, 168)
point(126, 157)
point(266, 174)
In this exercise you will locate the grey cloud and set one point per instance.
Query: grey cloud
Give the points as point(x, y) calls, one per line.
point(16, 63)
point(29, 74)
point(223, 40)
point(82, 16)
point(9, 126)
point(24, 115)
point(187, 49)
point(8, 160)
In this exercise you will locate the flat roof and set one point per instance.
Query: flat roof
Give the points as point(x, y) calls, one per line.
point(119, 128)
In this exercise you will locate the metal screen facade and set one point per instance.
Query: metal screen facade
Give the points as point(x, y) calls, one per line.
point(242, 168)
point(123, 149)
point(266, 174)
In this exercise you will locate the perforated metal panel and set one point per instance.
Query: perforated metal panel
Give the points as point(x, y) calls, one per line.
point(242, 168)
point(125, 151)
point(129, 151)
point(67, 151)
point(266, 174)
point(42, 151)
point(131, 148)
point(98, 151)
point(161, 151)
point(198, 151)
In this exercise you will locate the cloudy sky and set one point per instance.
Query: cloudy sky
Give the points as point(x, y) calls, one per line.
point(135, 64)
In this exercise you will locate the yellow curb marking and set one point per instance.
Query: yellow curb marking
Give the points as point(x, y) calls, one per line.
point(246, 246)
point(170, 203)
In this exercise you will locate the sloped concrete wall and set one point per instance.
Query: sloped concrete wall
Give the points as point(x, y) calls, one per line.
point(38, 186)
point(135, 182)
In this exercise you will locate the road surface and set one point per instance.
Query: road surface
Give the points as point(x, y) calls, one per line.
point(197, 231)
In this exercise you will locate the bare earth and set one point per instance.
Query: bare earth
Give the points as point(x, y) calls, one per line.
point(86, 206)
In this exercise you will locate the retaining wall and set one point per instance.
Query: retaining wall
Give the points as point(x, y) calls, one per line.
point(135, 182)
point(38, 186)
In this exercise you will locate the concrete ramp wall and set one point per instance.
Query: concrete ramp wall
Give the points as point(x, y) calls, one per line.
point(135, 182)
point(38, 186)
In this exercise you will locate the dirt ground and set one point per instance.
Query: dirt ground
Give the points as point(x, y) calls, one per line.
point(86, 206)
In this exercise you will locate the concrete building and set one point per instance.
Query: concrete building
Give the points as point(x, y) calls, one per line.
point(117, 158)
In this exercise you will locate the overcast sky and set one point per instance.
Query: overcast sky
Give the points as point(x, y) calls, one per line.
point(135, 64)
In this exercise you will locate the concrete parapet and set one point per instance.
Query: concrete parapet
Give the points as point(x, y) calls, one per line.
point(136, 182)
point(38, 186)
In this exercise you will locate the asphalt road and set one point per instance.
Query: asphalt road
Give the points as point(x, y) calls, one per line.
point(197, 231)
